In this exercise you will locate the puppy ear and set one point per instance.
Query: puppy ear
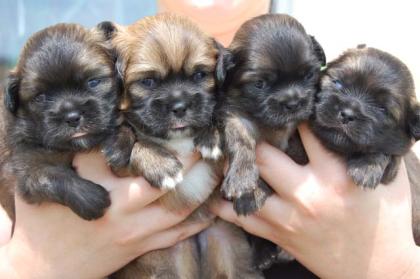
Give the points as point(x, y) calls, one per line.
point(414, 122)
point(107, 28)
point(11, 98)
point(319, 51)
point(224, 63)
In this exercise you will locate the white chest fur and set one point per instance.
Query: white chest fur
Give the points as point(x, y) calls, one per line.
point(198, 183)
point(182, 146)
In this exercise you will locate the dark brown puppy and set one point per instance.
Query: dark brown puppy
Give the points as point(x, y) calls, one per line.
point(170, 69)
point(367, 112)
point(61, 99)
point(269, 90)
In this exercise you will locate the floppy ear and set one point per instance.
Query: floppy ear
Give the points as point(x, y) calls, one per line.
point(11, 98)
point(224, 63)
point(107, 28)
point(414, 122)
point(319, 51)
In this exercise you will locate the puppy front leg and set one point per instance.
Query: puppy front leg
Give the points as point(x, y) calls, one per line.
point(62, 185)
point(367, 170)
point(296, 151)
point(209, 143)
point(391, 170)
point(156, 163)
point(117, 149)
point(241, 179)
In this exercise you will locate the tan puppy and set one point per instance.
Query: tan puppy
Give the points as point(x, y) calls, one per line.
point(170, 71)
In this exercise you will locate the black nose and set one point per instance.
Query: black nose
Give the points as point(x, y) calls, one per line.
point(73, 118)
point(346, 115)
point(293, 105)
point(179, 108)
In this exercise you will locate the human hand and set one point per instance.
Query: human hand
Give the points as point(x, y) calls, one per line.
point(333, 227)
point(50, 241)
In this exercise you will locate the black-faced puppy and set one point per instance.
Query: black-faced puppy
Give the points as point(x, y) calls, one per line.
point(170, 70)
point(61, 99)
point(269, 89)
point(367, 112)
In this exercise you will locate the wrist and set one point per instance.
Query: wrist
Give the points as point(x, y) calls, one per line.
point(404, 265)
point(6, 268)
point(412, 269)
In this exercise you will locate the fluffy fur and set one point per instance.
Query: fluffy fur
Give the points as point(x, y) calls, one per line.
point(269, 89)
point(61, 98)
point(170, 69)
point(367, 112)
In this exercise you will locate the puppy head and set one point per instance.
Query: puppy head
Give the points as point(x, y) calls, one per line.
point(169, 69)
point(277, 66)
point(367, 102)
point(62, 93)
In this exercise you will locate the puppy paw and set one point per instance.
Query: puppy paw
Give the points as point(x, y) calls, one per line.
point(274, 256)
point(249, 203)
point(209, 145)
point(391, 170)
point(158, 166)
point(165, 175)
point(210, 152)
point(116, 158)
point(246, 204)
point(366, 176)
point(117, 149)
point(90, 201)
point(241, 180)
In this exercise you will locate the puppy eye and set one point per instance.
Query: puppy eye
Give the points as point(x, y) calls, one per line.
point(309, 75)
point(260, 84)
point(40, 98)
point(338, 84)
point(148, 82)
point(198, 76)
point(92, 83)
point(383, 110)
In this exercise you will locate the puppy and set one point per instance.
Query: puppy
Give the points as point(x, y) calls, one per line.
point(61, 99)
point(268, 90)
point(368, 113)
point(170, 71)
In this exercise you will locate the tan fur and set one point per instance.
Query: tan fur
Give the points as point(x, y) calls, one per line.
point(181, 258)
point(228, 254)
point(160, 44)
point(155, 47)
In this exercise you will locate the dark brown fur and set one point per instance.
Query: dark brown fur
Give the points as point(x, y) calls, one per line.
point(167, 63)
point(63, 84)
point(367, 111)
point(269, 89)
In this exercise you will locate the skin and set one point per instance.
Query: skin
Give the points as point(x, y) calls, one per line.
point(50, 241)
point(331, 226)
